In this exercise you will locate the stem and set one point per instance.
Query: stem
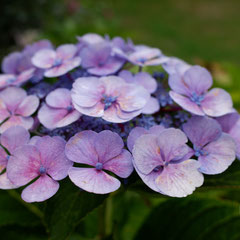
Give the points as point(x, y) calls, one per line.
point(108, 216)
point(140, 69)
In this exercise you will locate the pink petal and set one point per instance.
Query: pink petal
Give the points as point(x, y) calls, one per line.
point(34, 140)
point(66, 51)
point(146, 153)
point(24, 76)
point(23, 165)
point(134, 135)
point(54, 118)
point(25, 122)
point(65, 67)
point(41, 190)
point(87, 92)
point(14, 137)
point(80, 148)
point(4, 113)
point(147, 81)
point(95, 111)
point(44, 58)
point(180, 180)
point(5, 183)
point(59, 98)
point(186, 103)
point(92, 180)
point(217, 102)
point(121, 165)
point(53, 156)
point(152, 106)
point(221, 154)
point(28, 106)
point(108, 145)
point(5, 80)
point(12, 97)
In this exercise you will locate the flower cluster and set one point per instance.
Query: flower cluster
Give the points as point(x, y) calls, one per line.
point(91, 112)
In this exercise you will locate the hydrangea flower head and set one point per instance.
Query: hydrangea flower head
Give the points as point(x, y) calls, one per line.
point(58, 110)
point(190, 91)
point(45, 160)
point(215, 150)
point(230, 124)
point(99, 152)
point(109, 97)
point(16, 108)
point(59, 62)
point(11, 139)
point(161, 159)
point(98, 59)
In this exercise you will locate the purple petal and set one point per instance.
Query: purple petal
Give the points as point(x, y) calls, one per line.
point(10, 62)
point(6, 79)
point(23, 165)
point(41, 190)
point(91, 38)
point(5, 183)
point(80, 148)
point(235, 134)
point(26, 122)
point(108, 145)
point(3, 159)
point(228, 121)
point(12, 97)
point(180, 180)
point(147, 81)
point(121, 165)
point(134, 135)
point(92, 180)
point(53, 156)
point(65, 67)
point(95, 111)
point(127, 76)
point(202, 130)
point(220, 155)
point(14, 137)
point(152, 106)
point(44, 58)
point(28, 106)
point(217, 102)
point(59, 98)
point(186, 103)
point(156, 130)
point(146, 153)
point(4, 113)
point(24, 76)
point(54, 118)
point(177, 84)
point(66, 51)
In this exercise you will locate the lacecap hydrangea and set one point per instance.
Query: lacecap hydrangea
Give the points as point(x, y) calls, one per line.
point(95, 112)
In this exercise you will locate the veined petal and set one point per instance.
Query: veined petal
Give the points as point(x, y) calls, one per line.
point(152, 106)
point(59, 98)
point(44, 58)
point(28, 106)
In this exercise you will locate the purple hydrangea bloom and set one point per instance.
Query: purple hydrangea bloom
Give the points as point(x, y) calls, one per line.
point(102, 151)
point(98, 59)
point(149, 83)
point(215, 150)
point(11, 139)
point(59, 62)
point(190, 91)
point(161, 159)
point(230, 124)
point(16, 108)
point(43, 158)
point(58, 110)
point(109, 97)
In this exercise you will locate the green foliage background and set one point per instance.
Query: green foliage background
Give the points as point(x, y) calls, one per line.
point(202, 32)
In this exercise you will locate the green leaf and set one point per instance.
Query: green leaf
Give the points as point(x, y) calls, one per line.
point(192, 218)
point(66, 209)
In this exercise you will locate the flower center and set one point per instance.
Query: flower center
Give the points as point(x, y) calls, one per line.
point(99, 166)
point(158, 168)
point(42, 170)
point(142, 60)
point(199, 152)
point(196, 98)
point(108, 101)
point(69, 108)
point(57, 62)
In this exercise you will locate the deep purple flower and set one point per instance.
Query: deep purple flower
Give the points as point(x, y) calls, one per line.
point(11, 139)
point(149, 83)
point(230, 124)
point(58, 110)
point(109, 97)
point(45, 159)
point(102, 151)
point(190, 91)
point(59, 62)
point(16, 108)
point(215, 150)
point(161, 159)
point(98, 59)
